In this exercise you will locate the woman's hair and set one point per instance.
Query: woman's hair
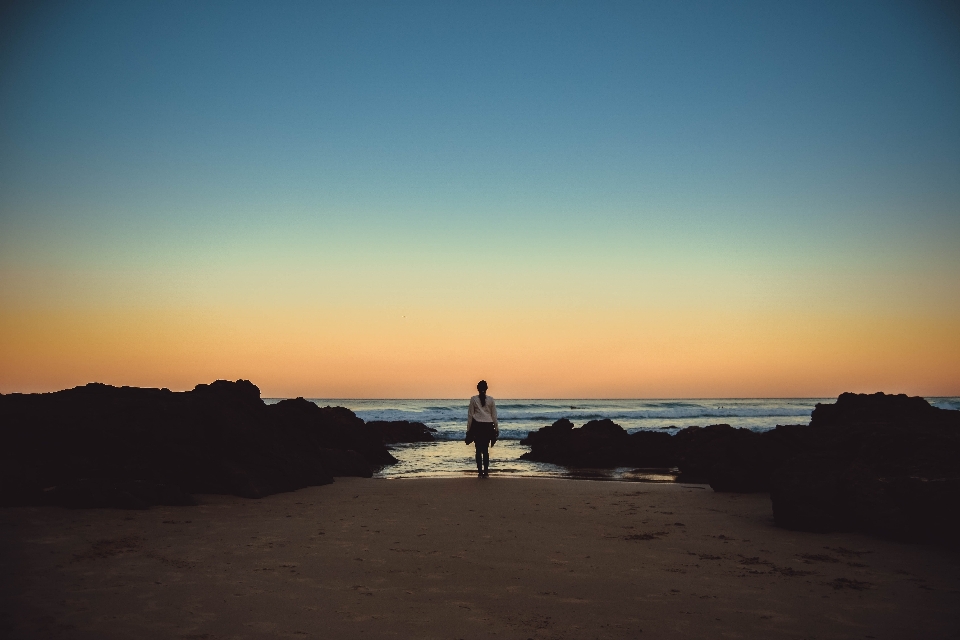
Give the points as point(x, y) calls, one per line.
point(483, 392)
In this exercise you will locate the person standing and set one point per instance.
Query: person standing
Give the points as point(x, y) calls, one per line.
point(483, 429)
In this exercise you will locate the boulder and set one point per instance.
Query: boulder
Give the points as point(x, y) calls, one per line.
point(697, 449)
point(736, 460)
point(549, 436)
point(878, 463)
point(332, 428)
point(882, 464)
point(598, 444)
point(399, 431)
point(345, 463)
point(881, 409)
point(128, 447)
point(652, 449)
point(548, 444)
point(807, 494)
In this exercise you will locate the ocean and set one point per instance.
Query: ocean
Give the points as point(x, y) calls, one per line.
point(450, 457)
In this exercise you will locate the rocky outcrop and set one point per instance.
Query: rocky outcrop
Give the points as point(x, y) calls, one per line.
point(548, 443)
point(128, 447)
point(884, 464)
point(881, 409)
point(401, 431)
point(729, 459)
point(652, 449)
point(334, 428)
point(340, 463)
point(598, 444)
point(808, 493)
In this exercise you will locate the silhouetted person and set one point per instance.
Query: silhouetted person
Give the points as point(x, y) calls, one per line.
point(482, 427)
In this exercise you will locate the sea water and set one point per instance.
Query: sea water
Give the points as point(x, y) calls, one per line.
point(448, 456)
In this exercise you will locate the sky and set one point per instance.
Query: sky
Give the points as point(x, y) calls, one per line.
point(396, 199)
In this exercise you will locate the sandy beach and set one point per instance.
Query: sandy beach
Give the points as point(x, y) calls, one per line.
point(464, 558)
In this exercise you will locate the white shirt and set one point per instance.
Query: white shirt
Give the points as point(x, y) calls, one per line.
point(481, 413)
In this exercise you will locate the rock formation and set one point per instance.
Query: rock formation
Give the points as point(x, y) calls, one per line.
point(98, 445)
point(731, 459)
point(598, 444)
point(398, 431)
point(885, 464)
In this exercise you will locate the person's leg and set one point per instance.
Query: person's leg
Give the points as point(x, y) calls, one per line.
point(482, 455)
point(486, 460)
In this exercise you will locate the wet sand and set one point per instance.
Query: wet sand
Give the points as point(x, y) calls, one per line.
point(464, 558)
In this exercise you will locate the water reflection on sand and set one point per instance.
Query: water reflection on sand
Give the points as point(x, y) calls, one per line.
point(453, 459)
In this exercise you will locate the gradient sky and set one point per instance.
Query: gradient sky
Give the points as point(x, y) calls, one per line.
point(358, 199)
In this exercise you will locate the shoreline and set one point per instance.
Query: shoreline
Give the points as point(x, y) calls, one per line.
point(464, 558)
point(586, 477)
point(874, 462)
point(452, 458)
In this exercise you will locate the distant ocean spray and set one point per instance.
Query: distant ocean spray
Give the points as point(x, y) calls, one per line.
point(450, 457)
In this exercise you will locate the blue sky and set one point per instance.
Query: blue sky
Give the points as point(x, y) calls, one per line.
point(681, 157)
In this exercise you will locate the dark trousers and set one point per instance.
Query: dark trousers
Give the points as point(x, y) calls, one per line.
point(483, 454)
point(482, 435)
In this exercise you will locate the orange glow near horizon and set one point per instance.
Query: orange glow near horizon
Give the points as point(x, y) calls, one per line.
point(336, 202)
point(523, 353)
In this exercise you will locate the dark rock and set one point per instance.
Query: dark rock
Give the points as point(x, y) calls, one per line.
point(345, 463)
point(697, 449)
point(652, 449)
point(397, 431)
point(904, 507)
point(883, 464)
point(729, 459)
point(807, 494)
point(127, 447)
point(333, 428)
point(550, 443)
point(877, 463)
point(160, 494)
point(90, 493)
point(545, 436)
point(881, 408)
point(598, 444)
